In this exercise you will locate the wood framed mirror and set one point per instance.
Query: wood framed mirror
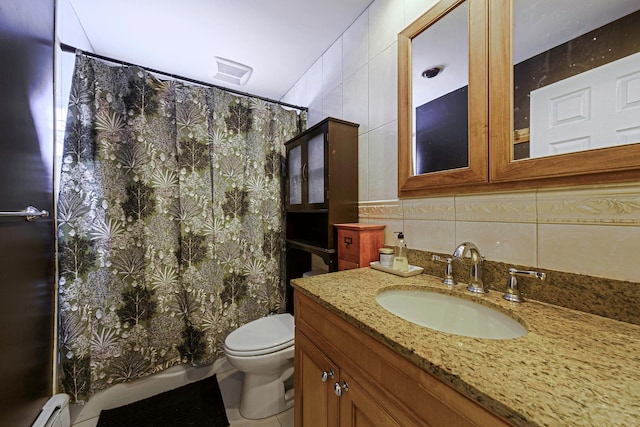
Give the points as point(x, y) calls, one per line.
point(581, 120)
point(498, 100)
point(442, 67)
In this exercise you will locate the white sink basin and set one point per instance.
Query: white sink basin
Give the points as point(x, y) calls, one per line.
point(450, 314)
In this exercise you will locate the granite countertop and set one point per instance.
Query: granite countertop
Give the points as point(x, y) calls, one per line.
point(572, 368)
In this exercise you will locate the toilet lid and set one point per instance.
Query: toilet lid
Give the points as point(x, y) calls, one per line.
point(265, 335)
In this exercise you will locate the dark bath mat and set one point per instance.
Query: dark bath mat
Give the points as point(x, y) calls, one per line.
point(198, 404)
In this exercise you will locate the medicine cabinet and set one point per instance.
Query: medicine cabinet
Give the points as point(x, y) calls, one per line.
point(553, 94)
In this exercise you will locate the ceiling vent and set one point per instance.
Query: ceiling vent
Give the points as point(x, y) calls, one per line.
point(231, 71)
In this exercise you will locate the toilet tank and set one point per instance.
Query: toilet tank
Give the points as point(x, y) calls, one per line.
point(54, 413)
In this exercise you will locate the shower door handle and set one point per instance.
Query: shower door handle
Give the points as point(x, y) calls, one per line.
point(30, 213)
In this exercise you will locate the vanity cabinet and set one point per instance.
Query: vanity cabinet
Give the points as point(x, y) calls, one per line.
point(321, 190)
point(358, 244)
point(321, 381)
point(377, 386)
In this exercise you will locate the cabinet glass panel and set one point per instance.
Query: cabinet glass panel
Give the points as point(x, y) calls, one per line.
point(295, 175)
point(316, 169)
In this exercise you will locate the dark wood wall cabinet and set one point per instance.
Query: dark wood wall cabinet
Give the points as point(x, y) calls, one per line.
point(321, 190)
point(358, 244)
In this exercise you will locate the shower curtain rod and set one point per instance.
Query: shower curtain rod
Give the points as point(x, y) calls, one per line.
point(68, 48)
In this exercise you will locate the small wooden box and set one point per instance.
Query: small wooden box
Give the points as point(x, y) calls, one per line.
point(358, 244)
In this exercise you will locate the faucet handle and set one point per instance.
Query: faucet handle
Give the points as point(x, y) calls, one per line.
point(513, 293)
point(448, 273)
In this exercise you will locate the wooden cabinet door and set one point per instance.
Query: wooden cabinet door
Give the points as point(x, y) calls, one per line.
point(359, 409)
point(295, 177)
point(316, 401)
point(307, 171)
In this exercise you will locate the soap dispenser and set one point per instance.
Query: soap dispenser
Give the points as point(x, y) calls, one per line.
point(400, 261)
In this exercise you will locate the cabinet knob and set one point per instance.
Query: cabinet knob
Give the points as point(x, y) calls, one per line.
point(326, 375)
point(338, 389)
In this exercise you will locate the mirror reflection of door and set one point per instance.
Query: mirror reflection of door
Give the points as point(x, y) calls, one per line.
point(440, 79)
point(576, 75)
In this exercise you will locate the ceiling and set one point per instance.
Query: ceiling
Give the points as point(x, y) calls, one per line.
point(279, 39)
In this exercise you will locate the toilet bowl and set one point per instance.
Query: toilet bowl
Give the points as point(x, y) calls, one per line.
point(263, 351)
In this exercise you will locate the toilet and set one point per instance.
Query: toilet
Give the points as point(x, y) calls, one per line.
point(263, 351)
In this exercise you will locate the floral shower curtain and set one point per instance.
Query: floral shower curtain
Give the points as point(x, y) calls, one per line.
point(170, 223)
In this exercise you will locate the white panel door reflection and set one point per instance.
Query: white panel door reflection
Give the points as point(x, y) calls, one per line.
point(595, 109)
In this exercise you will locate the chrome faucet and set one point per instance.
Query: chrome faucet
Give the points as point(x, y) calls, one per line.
point(513, 293)
point(448, 279)
point(476, 285)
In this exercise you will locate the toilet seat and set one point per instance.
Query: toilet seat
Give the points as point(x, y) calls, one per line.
point(262, 336)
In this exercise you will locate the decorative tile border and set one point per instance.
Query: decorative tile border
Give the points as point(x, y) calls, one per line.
point(511, 207)
point(381, 210)
point(601, 206)
point(439, 209)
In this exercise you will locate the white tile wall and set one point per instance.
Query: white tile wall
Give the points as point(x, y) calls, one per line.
point(332, 103)
point(314, 82)
point(355, 99)
point(363, 172)
point(332, 67)
point(593, 231)
point(355, 45)
point(386, 20)
point(383, 89)
point(383, 162)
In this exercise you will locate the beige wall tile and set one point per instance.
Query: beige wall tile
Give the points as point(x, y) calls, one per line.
point(500, 241)
point(597, 250)
point(432, 236)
